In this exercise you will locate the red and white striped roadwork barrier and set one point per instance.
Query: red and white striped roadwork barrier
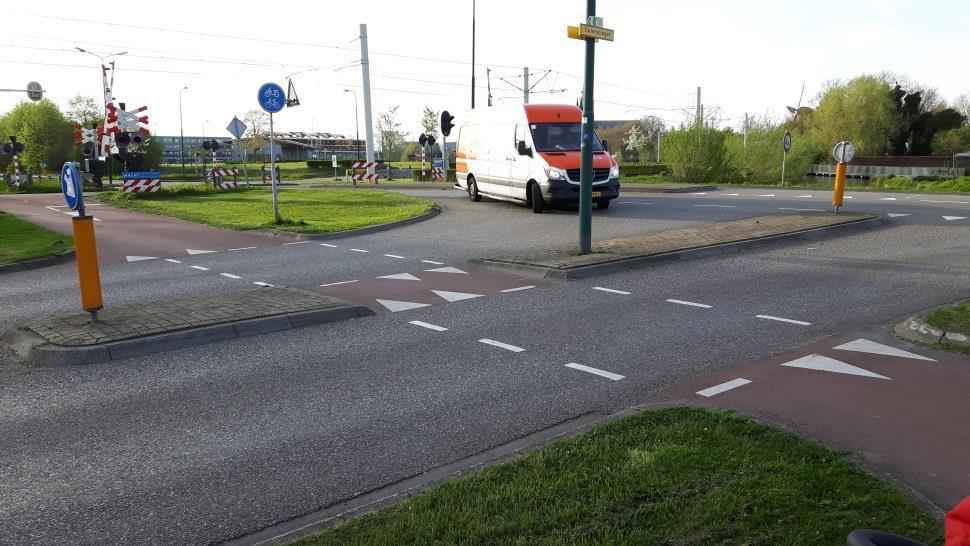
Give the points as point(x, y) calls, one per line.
point(366, 176)
point(142, 185)
point(16, 172)
point(365, 164)
point(227, 185)
point(221, 171)
point(438, 174)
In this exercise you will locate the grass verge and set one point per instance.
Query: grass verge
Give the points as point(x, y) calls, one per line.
point(953, 318)
point(302, 211)
point(675, 476)
point(21, 241)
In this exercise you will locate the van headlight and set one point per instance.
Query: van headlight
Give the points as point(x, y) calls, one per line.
point(555, 173)
point(615, 171)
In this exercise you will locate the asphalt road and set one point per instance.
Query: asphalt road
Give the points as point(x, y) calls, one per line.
point(214, 442)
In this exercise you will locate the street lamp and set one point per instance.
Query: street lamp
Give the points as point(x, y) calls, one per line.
point(181, 133)
point(356, 120)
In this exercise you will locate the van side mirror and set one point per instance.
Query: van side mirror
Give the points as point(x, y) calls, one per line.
point(606, 145)
point(524, 149)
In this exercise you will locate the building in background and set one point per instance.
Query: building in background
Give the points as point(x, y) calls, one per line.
point(290, 146)
point(172, 149)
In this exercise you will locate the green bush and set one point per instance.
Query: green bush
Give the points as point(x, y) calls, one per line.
point(643, 169)
point(760, 160)
point(699, 155)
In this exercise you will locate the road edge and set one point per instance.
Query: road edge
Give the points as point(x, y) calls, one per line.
point(435, 211)
point(63, 257)
point(915, 329)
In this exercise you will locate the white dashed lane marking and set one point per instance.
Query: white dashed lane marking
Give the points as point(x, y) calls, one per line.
point(359, 250)
point(263, 284)
point(519, 289)
point(690, 304)
point(244, 248)
point(501, 345)
point(199, 267)
point(611, 291)
point(296, 243)
point(230, 276)
point(717, 206)
point(170, 260)
point(329, 245)
point(802, 210)
point(338, 283)
point(395, 256)
point(723, 387)
point(431, 262)
point(595, 371)
point(429, 326)
point(779, 319)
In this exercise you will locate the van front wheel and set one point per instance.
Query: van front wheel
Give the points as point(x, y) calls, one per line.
point(473, 190)
point(602, 205)
point(535, 193)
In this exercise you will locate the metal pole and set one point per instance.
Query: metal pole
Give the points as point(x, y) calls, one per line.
point(272, 171)
point(245, 165)
point(700, 115)
point(525, 84)
point(660, 135)
point(444, 156)
point(368, 117)
point(784, 159)
point(181, 134)
point(586, 172)
point(473, 64)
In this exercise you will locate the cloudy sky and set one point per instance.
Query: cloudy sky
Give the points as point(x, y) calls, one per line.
point(749, 56)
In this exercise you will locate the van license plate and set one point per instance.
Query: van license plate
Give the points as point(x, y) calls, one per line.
point(597, 194)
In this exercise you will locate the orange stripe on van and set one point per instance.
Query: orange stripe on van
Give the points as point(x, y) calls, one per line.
point(553, 113)
point(462, 167)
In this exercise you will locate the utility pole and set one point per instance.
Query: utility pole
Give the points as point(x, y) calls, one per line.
point(368, 116)
point(586, 171)
point(525, 85)
point(473, 56)
point(488, 77)
point(744, 132)
point(700, 109)
point(660, 135)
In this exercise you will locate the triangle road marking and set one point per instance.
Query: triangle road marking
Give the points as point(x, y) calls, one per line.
point(454, 270)
point(866, 346)
point(140, 258)
point(400, 277)
point(826, 364)
point(193, 252)
point(456, 296)
point(952, 218)
point(897, 215)
point(397, 306)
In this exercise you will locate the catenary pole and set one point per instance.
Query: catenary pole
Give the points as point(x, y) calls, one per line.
point(368, 115)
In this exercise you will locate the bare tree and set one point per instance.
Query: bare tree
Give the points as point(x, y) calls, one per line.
point(257, 132)
point(389, 135)
point(962, 105)
point(430, 121)
point(84, 110)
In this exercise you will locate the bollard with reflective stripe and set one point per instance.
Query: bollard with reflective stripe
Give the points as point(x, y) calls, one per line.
point(89, 276)
point(839, 191)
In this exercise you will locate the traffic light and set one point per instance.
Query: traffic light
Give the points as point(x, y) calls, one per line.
point(446, 123)
point(431, 140)
point(123, 140)
point(423, 139)
point(89, 150)
point(137, 139)
point(13, 147)
point(210, 145)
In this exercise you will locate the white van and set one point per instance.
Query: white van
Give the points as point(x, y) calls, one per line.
point(530, 154)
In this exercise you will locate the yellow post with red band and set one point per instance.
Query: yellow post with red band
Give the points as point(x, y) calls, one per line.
point(89, 276)
point(839, 193)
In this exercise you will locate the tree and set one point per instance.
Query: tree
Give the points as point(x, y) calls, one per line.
point(84, 111)
point(389, 135)
point(698, 154)
point(153, 153)
point(962, 105)
point(430, 122)
point(46, 134)
point(952, 142)
point(257, 132)
point(861, 111)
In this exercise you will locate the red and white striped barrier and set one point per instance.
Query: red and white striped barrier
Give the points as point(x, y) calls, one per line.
point(366, 176)
point(221, 171)
point(438, 174)
point(365, 164)
point(142, 185)
point(16, 172)
point(226, 185)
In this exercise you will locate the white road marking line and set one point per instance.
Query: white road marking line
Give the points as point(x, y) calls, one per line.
point(501, 345)
point(338, 283)
point(263, 284)
point(329, 245)
point(431, 262)
point(398, 306)
point(826, 364)
point(938, 201)
point(691, 304)
point(244, 248)
point(359, 250)
point(140, 258)
point(717, 206)
point(866, 346)
point(699, 193)
point(193, 252)
point(610, 290)
point(595, 371)
point(779, 319)
point(172, 261)
point(812, 248)
point(429, 326)
point(887, 199)
point(199, 267)
point(731, 194)
point(230, 276)
point(849, 197)
point(952, 218)
point(506, 291)
point(395, 256)
point(296, 243)
point(453, 270)
point(400, 277)
point(767, 195)
point(452, 297)
point(723, 387)
point(804, 196)
point(633, 203)
point(897, 215)
point(802, 210)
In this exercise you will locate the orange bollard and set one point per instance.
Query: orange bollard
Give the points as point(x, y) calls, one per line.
point(89, 276)
point(839, 191)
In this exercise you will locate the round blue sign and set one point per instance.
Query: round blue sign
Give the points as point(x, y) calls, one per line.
point(71, 186)
point(271, 98)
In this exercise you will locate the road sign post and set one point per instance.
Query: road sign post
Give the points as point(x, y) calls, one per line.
point(843, 153)
point(272, 99)
point(786, 145)
point(89, 276)
point(333, 161)
point(237, 129)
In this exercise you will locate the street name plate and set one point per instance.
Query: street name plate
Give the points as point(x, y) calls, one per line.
point(599, 33)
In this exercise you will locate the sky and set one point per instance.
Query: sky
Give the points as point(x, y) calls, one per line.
point(748, 56)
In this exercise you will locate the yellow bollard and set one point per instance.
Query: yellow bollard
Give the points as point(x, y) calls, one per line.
point(89, 276)
point(839, 191)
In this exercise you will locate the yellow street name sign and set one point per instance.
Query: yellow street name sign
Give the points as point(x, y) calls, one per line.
point(583, 32)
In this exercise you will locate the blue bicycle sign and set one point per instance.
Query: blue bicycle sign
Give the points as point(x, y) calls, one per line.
point(271, 98)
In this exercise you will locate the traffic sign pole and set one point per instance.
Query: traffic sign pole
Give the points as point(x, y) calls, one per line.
point(89, 276)
point(272, 99)
point(843, 153)
point(586, 170)
point(272, 171)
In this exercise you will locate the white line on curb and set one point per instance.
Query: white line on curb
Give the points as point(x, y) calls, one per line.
point(338, 283)
point(611, 291)
point(230, 275)
point(690, 303)
point(519, 289)
point(199, 267)
point(501, 345)
point(723, 387)
point(717, 206)
point(779, 319)
point(595, 371)
point(429, 326)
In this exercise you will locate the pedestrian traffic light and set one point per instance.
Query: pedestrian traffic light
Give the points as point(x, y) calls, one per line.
point(423, 139)
point(446, 123)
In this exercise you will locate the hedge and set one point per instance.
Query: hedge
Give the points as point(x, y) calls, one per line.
point(638, 169)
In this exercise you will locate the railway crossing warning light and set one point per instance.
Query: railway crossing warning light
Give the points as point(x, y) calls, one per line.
point(446, 123)
point(423, 139)
point(13, 147)
point(210, 145)
point(431, 140)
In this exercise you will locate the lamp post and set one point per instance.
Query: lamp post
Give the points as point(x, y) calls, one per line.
point(181, 134)
point(356, 121)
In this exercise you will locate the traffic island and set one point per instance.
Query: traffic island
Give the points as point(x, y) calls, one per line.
point(144, 328)
point(726, 237)
point(947, 328)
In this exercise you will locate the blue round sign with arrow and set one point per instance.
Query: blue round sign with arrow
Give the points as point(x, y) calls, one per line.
point(71, 186)
point(271, 98)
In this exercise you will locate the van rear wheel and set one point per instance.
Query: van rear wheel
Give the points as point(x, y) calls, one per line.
point(473, 190)
point(535, 194)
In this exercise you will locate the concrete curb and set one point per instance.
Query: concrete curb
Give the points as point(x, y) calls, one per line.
point(914, 329)
point(436, 210)
point(646, 188)
point(63, 257)
point(637, 262)
point(37, 351)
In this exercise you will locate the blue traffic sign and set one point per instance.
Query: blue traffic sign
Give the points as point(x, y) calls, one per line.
point(71, 186)
point(271, 98)
point(437, 164)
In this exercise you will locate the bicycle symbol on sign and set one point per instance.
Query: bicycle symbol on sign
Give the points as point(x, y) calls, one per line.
point(272, 103)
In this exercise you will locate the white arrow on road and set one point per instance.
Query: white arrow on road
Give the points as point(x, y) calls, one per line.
point(193, 252)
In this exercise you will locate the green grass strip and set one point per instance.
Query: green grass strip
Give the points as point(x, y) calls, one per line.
point(953, 318)
point(21, 241)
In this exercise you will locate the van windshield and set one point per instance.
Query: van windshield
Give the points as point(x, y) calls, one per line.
point(560, 137)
